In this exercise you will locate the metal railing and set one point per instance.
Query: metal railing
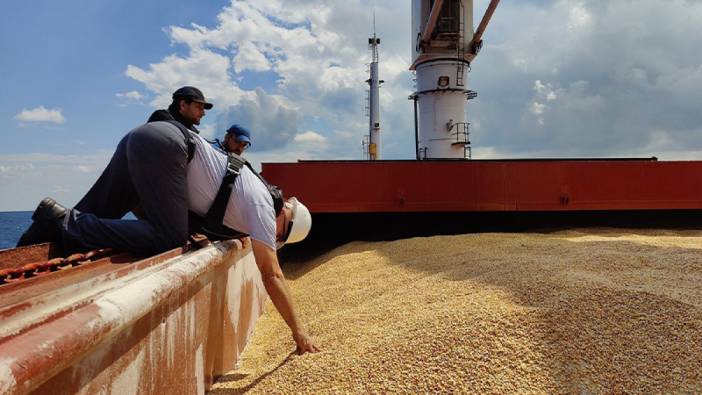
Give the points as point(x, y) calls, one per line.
point(462, 137)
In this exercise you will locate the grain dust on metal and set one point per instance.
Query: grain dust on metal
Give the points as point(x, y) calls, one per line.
point(573, 311)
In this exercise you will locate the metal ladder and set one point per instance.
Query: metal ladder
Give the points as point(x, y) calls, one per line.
point(422, 152)
point(460, 49)
point(366, 109)
point(462, 135)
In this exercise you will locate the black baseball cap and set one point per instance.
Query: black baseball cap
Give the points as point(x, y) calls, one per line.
point(192, 93)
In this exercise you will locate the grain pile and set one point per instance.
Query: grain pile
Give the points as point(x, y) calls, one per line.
point(597, 311)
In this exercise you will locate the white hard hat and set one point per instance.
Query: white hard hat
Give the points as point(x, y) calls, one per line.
point(300, 223)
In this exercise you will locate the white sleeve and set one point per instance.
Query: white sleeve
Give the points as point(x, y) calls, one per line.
point(261, 221)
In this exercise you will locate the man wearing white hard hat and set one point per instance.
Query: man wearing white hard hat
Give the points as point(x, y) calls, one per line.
point(250, 208)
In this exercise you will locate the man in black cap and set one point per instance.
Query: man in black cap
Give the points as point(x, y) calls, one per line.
point(188, 107)
point(237, 139)
point(147, 170)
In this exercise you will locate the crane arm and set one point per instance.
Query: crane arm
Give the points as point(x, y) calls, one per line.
point(477, 41)
point(433, 18)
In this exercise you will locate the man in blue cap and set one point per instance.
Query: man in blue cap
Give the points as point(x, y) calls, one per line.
point(236, 140)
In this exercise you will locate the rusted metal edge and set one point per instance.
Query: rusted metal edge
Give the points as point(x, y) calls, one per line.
point(17, 265)
point(76, 276)
point(35, 303)
point(13, 257)
point(28, 360)
point(42, 267)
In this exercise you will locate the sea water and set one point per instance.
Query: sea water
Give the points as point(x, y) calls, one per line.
point(12, 224)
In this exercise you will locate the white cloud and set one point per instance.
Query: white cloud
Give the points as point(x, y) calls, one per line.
point(205, 69)
point(317, 51)
point(579, 17)
point(272, 119)
point(539, 87)
point(250, 58)
point(41, 115)
point(544, 92)
point(208, 130)
point(611, 75)
point(537, 108)
point(615, 78)
point(310, 137)
point(312, 140)
point(25, 179)
point(573, 77)
point(131, 95)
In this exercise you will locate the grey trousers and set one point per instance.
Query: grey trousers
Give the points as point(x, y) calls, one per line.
point(149, 168)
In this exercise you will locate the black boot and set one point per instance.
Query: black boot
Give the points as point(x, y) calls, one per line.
point(47, 223)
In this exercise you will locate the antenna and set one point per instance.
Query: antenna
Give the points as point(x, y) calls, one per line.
point(372, 149)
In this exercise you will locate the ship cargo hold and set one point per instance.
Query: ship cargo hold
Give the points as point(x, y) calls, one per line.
point(109, 322)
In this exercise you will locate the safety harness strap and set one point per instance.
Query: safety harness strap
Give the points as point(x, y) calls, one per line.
point(213, 224)
point(214, 219)
point(188, 139)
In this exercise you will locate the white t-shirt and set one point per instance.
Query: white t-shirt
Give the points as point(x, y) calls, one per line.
point(250, 207)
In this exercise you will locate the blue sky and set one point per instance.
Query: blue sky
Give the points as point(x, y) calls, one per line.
point(556, 78)
point(72, 55)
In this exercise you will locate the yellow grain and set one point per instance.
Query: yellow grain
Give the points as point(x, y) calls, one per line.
point(581, 311)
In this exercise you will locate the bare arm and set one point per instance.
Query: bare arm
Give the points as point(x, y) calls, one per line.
point(277, 288)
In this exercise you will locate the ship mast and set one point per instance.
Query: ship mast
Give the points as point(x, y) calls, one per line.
point(372, 148)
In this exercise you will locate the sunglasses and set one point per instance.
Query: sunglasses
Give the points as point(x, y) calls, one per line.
point(287, 226)
point(246, 144)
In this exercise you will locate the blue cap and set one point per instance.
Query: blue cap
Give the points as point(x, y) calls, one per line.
point(240, 133)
